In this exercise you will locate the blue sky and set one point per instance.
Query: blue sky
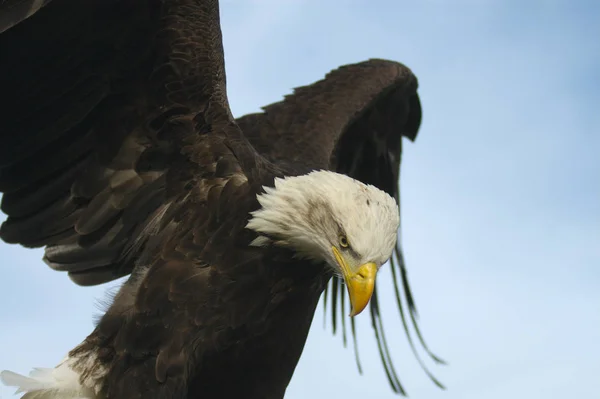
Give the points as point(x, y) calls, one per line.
point(501, 195)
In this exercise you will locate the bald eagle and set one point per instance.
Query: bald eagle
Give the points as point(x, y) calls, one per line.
point(119, 154)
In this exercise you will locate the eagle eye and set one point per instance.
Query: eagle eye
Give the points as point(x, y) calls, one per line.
point(344, 241)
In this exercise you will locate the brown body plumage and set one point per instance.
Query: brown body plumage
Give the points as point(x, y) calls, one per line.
point(119, 154)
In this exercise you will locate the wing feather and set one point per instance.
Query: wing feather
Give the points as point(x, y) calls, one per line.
point(101, 122)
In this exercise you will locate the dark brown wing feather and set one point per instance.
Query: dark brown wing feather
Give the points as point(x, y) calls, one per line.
point(98, 99)
point(308, 125)
point(351, 122)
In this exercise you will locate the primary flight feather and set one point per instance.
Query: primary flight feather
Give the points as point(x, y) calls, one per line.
point(119, 154)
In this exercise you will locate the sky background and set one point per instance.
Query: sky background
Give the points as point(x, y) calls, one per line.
point(500, 196)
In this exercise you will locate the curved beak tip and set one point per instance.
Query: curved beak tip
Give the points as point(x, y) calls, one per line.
point(360, 287)
point(360, 282)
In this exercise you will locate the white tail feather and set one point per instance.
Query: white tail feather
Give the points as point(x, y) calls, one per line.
point(61, 382)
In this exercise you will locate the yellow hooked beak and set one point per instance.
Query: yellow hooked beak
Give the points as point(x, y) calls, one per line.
point(360, 282)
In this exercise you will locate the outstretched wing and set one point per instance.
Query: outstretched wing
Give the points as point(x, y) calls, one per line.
point(352, 122)
point(109, 109)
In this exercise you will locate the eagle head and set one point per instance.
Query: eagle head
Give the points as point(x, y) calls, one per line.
point(329, 217)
